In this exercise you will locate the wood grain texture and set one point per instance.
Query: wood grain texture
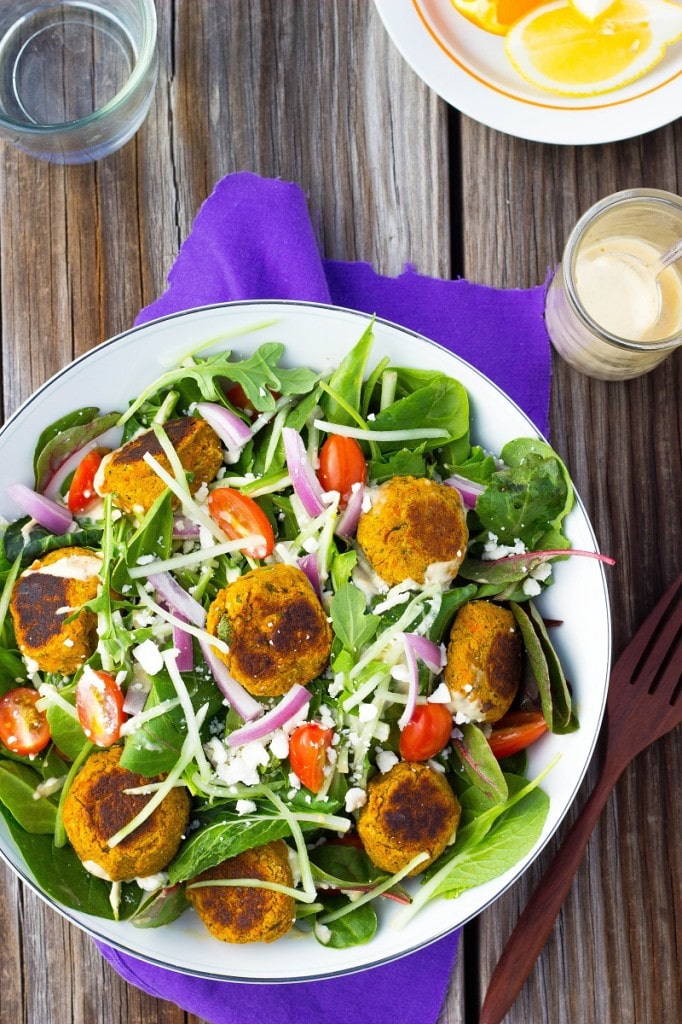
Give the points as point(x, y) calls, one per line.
point(314, 92)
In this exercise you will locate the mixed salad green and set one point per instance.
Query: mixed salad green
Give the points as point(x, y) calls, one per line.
point(273, 421)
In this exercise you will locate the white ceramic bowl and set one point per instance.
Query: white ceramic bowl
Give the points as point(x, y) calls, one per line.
point(318, 336)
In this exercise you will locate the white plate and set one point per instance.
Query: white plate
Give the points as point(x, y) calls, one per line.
point(467, 67)
point(318, 336)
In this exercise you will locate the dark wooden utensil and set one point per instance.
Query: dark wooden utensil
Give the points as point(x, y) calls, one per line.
point(644, 702)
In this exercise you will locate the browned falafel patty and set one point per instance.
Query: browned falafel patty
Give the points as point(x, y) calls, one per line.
point(244, 913)
point(97, 806)
point(44, 596)
point(136, 486)
point(483, 669)
point(275, 627)
point(413, 524)
point(409, 810)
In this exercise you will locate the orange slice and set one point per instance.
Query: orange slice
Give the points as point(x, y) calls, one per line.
point(557, 49)
point(495, 15)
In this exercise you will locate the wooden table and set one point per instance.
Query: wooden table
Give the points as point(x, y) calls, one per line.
point(314, 91)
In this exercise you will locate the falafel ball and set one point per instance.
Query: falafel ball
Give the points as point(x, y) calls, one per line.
point(483, 669)
point(136, 486)
point(415, 529)
point(409, 810)
point(275, 627)
point(97, 806)
point(243, 913)
point(44, 596)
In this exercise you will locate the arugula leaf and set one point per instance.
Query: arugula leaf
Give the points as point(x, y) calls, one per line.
point(154, 536)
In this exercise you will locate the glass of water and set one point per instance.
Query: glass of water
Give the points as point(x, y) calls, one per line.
point(77, 77)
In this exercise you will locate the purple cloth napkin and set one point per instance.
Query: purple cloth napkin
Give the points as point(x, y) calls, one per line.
point(253, 239)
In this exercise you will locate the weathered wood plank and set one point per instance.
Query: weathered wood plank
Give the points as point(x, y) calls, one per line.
point(611, 958)
point(314, 93)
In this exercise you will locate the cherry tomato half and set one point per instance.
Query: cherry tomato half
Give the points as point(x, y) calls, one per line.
point(23, 729)
point(82, 490)
point(342, 464)
point(427, 732)
point(99, 703)
point(240, 400)
point(237, 515)
point(308, 746)
point(515, 731)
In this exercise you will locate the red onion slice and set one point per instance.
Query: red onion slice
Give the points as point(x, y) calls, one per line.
point(347, 522)
point(468, 489)
point(182, 641)
point(309, 565)
point(243, 703)
point(177, 599)
point(290, 705)
point(231, 430)
point(55, 518)
point(305, 482)
point(433, 656)
point(184, 528)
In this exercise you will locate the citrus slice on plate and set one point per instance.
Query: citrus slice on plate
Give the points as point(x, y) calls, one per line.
point(591, 9)
point(557, 49)
point(496, 15)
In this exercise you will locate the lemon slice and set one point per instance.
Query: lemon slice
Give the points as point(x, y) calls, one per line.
point(591, 9)
point(497, 15)
point(559, 50)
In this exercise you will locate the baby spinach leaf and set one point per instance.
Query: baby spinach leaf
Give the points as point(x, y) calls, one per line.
point(353, 929)
point(60, 875)
point(155, 746)
point(513, 835)
point(67, 440)
point(555, 697)
point(346, 381)
point(12, 671)
point(479, 764)
point(40, 541)
point(161, 907)
point(77, 418)
point(224, 837)
point(441, 403)
point(521, 500)
point(65, 730)
point(353, 626)
point(18, 784)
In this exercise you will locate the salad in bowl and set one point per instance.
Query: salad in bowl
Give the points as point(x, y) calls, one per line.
point(275, 662)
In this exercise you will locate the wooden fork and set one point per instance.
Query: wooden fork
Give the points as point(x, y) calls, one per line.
point(644, 702)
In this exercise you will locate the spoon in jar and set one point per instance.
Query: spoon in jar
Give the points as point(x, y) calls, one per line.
point(671, 256)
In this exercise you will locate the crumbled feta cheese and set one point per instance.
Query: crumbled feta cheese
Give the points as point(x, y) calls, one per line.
point(245, 807)
point(441, 695)
point(367, 712)
point(150, 883)
point(531, 587)
point(493, 550)
point(355, 799)
point(279, 745)
point(148, 656)
point(385, 760)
